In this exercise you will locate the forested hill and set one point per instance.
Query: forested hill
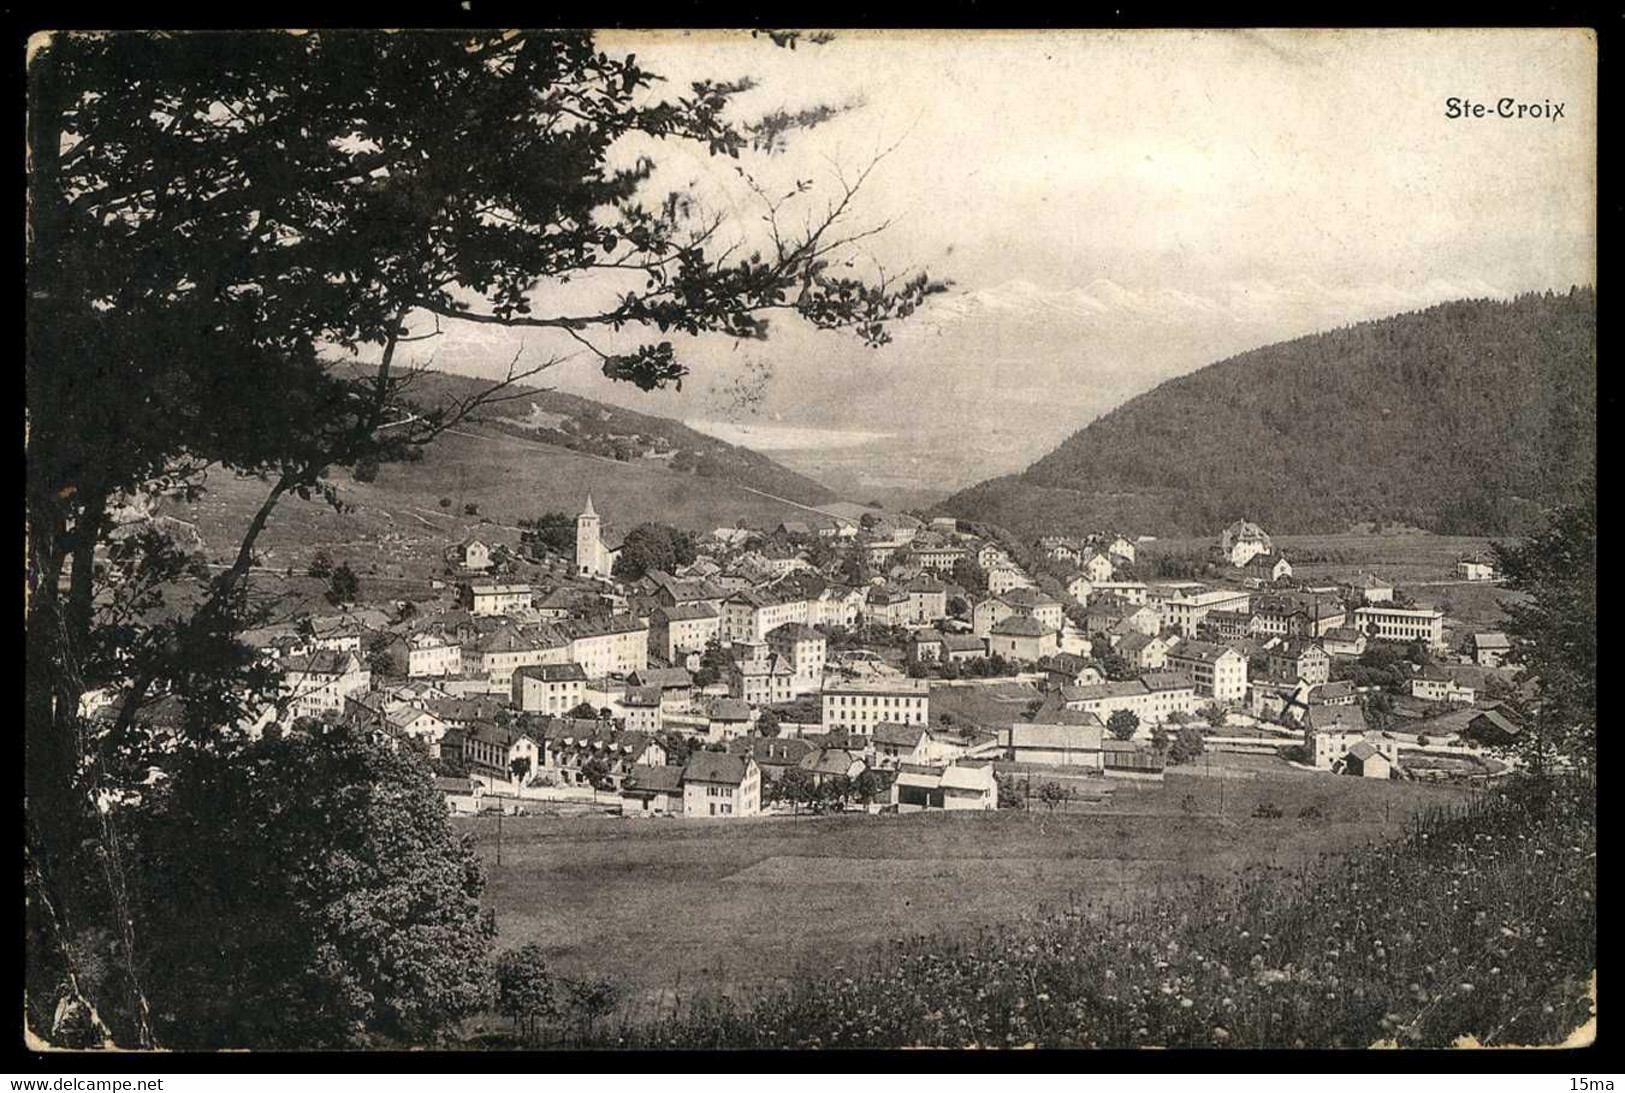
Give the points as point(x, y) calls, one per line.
point(596, 428)
point(1465, 418)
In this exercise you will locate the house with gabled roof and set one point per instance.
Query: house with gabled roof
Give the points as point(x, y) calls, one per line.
point(472, 554)
point(774, 754)
point(1489, 649)
point(1022, 638)
point(894, 743)
point(653, 790)
point(1141, 650)
point(727, 719)
point(717, 784)
point(828, 761)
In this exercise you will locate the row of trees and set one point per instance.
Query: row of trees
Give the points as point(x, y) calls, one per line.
point(831, 793)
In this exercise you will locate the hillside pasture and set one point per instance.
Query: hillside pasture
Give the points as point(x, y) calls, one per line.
point(395, 527)
point(675, 909)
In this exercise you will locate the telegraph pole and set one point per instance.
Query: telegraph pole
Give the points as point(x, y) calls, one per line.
point(499, 837)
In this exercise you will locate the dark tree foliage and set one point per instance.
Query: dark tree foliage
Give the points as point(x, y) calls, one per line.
point(1554, 632)
point(306, 892)
point(1123, 724)
point(527, 993)
point(555, 531)
point(343, 586)
point(1462, 419)
point(653, 546)
point(1187, 745)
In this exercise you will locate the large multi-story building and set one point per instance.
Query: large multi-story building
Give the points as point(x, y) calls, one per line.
point(517, 646)
point(1294, 614)
point(1242, 540)
point(1153, 698)
point(751, 614)
point(1188, 610)
point(1216, 671)
point(927, 599)
point(609, 645)
point(1022, 638)
point(319, 683)
point(1300, 660)
point(553, 689)
point(674, 632)
point(431, 654)
point(940, 558)
point(718, 784)
point(762, 681)
point(1018, 601)
point(1389, 623)
point(497, 599)
point(804, 649)
point(858, 706)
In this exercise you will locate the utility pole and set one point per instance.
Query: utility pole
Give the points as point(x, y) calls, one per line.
point(499, 837)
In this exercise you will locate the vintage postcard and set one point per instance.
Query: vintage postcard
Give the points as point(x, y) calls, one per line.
point(794, 539)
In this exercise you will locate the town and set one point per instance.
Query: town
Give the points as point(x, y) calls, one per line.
point(862, 659)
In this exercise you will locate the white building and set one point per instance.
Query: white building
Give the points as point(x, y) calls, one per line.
point(497, 599)
point(593, 558)
point(1187, 611)
point(1216, 671)
point(319, 683)
point(430, 654)
point(553, 689)
point(1388, 623)
point(1242, 540)
point(857, 706)
point(719, 784)
point(804, 650)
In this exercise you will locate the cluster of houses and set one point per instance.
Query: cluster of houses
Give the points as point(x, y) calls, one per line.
point(587, 681)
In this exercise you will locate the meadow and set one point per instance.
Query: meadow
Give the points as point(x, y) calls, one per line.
point(395, 527)
point(1478, 928)
point(678, 910)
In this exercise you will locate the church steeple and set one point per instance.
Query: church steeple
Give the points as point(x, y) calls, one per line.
point(588, 511)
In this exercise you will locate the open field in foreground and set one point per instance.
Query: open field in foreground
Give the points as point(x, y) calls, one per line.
point(698, 907)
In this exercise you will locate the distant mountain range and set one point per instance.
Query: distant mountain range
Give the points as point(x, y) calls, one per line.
point(1464, 418)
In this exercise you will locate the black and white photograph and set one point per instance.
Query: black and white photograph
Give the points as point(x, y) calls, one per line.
point(674, 541)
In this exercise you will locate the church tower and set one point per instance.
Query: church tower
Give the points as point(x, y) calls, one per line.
point(589, 549)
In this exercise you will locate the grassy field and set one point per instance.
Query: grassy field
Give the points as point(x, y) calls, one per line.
point(670, 908)
point(396, 525)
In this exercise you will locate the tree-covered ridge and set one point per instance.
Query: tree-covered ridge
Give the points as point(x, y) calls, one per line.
point(1465, 418)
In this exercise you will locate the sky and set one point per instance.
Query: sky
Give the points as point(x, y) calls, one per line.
point(1114, 209)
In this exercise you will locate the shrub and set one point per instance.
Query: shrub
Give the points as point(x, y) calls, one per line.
point(1267, 810)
